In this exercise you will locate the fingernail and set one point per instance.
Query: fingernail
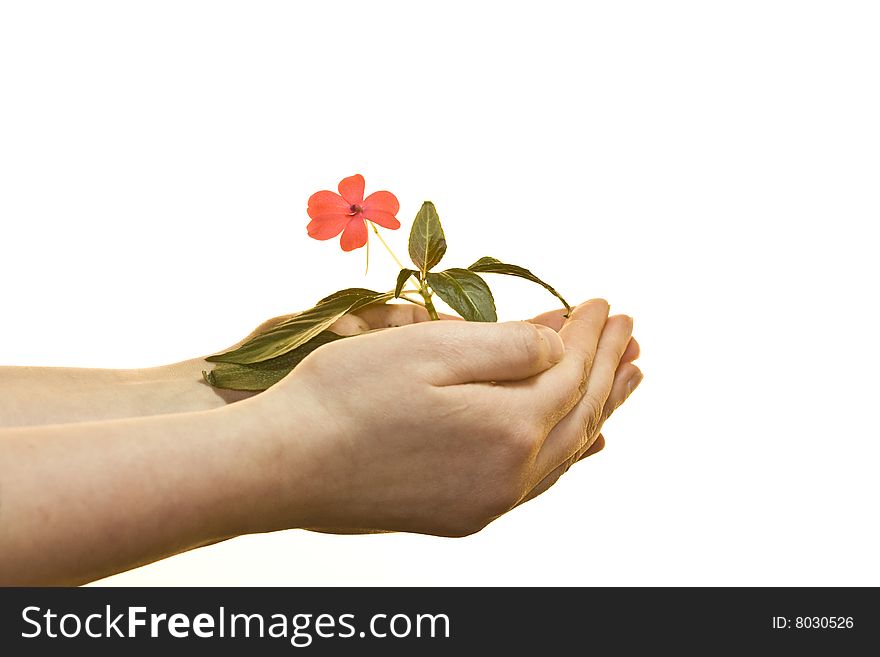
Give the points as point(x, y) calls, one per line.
point(634, 382)
point(555, 348)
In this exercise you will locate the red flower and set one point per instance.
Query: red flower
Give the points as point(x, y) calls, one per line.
point(348, 212)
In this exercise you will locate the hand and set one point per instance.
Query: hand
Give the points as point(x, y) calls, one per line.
point(393, 315)
point(401, 434)
point(626, 372)
point(381, 431)
point(383, 316)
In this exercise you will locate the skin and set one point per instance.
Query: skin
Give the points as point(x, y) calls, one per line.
point(383, 432)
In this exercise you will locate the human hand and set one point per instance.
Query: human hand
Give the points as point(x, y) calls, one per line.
point(393, 315)
point(381, 316)
point(627, 372)
point(395, 433)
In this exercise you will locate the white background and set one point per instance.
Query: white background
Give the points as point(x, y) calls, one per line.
point(710, 168)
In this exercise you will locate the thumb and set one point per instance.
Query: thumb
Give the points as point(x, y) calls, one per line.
point(472, 352)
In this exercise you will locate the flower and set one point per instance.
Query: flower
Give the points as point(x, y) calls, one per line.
point(348, 212)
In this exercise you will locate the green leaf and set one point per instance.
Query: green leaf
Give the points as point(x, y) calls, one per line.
point(298, 330)
point(427, 243)
point(263, 375)
point(494, 266)
point(347, 293)
point(466, 293)
point(402, 278)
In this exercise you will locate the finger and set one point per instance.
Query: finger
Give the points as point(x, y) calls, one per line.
point(349, 325)
point(597, 446)
point(633, 351)
point(555, 319)
point(582, 423)
point(455, 353)
point(557, 391)
point(626, 379)
point(388, 315)
point(592, 450)
point(612, 345)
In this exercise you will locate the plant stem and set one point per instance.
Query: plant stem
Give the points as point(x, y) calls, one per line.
point(390, 252)
point(418, 303)
point(432, 312)
point(367, 268)
point(429, 305)
point(423, 286)
point(385, 244)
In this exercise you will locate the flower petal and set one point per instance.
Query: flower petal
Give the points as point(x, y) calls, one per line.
point(328, 226)
point(352, 189)
point(355, 234)
point(326, 202)
point(384, 219)
point(383, 201)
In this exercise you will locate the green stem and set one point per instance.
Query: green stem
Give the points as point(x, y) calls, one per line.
point(418, 303)
point(429, 305)
point(367, 268)
point(385, 244)
point(432, 312)
point(423, 286)
point(390, 252)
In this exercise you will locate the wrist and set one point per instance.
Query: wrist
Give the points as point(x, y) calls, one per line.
point(277, 451)
point(181, 388)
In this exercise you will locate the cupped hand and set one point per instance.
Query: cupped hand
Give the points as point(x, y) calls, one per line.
point(440, 427)
point(383, 316)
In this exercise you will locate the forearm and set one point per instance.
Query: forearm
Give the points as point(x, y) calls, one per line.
point(83, 501)
point(32, 396)
point(52, 395)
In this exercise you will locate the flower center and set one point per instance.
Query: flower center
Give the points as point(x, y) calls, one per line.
point(354, 209)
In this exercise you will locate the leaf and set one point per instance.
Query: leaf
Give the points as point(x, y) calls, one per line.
point(494, 266)
point(347, 292)
point(263, 375)
point(298, 330)
point(427, 243)
point(466, 293)
point(402, 278)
